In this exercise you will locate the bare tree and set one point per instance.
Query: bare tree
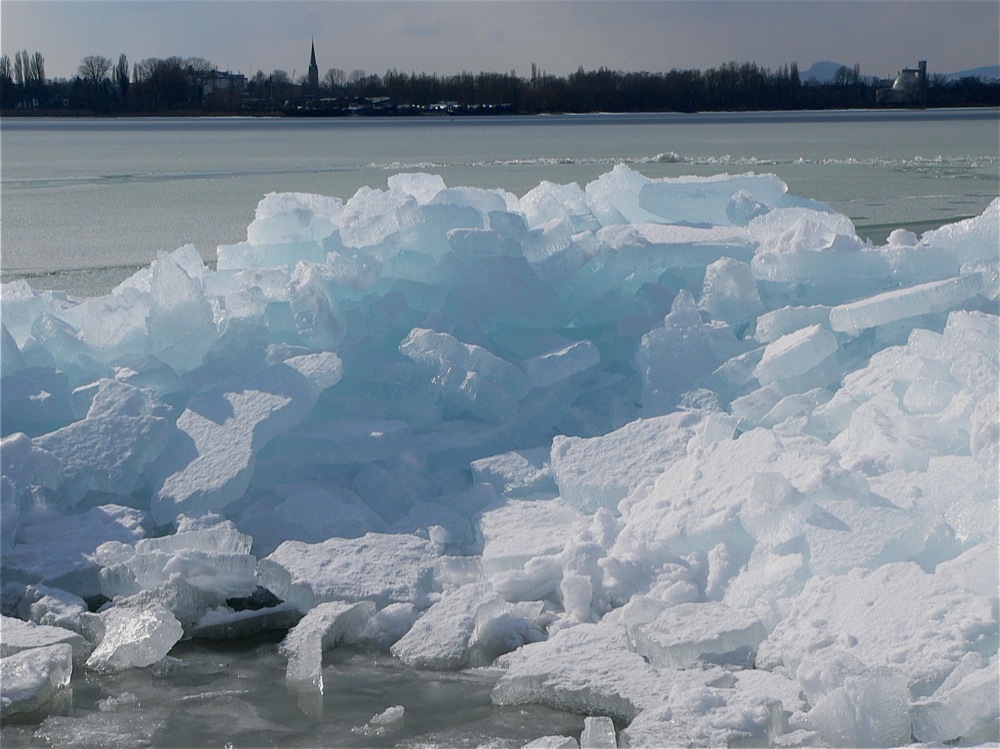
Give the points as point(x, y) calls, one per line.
point(36, 69)
point(21, 73)
point(164, 83)
point(120, 75)
point(94, 69)
point(21, 68)
point(335, 78)
point(279, 85)
point(199, 71)
point(6, 81)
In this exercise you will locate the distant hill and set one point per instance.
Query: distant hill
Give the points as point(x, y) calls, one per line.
point(989, 71)
point(825, 71)
point(821, 71)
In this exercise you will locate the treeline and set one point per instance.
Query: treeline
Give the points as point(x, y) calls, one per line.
point(177, 85)
point(102, 86)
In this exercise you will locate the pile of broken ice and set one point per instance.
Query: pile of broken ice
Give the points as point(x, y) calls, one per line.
point(686, 453)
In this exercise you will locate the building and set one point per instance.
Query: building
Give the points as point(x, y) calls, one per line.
point(909, 88)
point(218, 82)
point(313, 71)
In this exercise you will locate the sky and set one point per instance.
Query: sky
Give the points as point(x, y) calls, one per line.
point(445, 37)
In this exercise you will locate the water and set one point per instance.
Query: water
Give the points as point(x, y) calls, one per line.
point(214, 698)
point(86, 202)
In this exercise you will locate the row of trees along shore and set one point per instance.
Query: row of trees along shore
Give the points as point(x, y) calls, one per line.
point(192, 86)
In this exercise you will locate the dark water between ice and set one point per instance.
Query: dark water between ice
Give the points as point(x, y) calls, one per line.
point(233, 694)
point(86, 202)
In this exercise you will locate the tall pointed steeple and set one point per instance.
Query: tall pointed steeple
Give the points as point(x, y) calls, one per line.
point(313, 70)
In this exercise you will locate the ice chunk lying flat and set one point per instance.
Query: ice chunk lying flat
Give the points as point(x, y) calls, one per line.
point(377, 567)
point(586, 669)
point(51, 606)
point(223, 575)
point(60, 553)
point(795, 354)
point(687, 633)
point(29, 678)
point(325, 626)
point(19, 636)
point(900, 304)
point(205, 554)
point(468, 626)
point(208, 533)
point(774, 324)
point(600, 471)
point(134, 637)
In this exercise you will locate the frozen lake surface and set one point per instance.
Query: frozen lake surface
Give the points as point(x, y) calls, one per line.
point(92, 200)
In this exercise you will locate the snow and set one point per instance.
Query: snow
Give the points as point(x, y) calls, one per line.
point(685, 456)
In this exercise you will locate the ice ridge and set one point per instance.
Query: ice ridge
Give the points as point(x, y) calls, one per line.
point(684, 455)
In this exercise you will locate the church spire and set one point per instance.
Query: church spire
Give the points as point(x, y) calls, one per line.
point(313, 69)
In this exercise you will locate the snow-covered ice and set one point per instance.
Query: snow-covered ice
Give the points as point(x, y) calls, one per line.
point(685, 456)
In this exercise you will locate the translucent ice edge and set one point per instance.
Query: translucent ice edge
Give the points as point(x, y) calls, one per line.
point(685, 452)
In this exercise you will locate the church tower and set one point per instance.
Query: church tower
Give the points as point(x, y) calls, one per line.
point(313, 71)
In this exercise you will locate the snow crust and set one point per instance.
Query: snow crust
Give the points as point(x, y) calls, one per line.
point(686, 456)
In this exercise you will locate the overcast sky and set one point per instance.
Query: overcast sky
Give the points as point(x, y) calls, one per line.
point(882, 36)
